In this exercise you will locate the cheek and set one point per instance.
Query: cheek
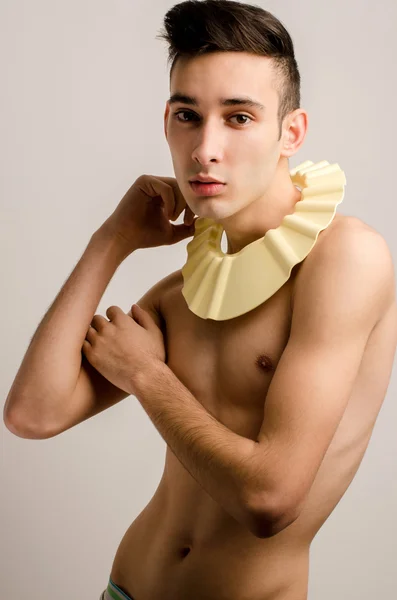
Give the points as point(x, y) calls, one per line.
point(174, 139)
point(249, 149)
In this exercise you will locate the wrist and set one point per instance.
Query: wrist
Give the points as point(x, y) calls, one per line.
point(151, 374)
point(108, 239)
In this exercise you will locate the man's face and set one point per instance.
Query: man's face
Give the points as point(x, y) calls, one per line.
point(237, 144)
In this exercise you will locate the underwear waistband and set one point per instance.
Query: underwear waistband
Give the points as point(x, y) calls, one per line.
point(113, 592)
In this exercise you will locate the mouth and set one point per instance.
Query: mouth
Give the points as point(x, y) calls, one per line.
point(210, 188)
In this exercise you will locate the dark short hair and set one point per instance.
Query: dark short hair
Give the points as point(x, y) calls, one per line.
point(196, 27)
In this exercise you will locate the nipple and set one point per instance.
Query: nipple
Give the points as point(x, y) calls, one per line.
point(264, 362)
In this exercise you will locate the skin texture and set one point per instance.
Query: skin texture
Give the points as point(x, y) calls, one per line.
point(192, 539)
point(213, 400)
point(266, 416)
point(249, 157)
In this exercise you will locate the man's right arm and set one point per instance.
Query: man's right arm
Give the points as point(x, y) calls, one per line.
point(56, 387)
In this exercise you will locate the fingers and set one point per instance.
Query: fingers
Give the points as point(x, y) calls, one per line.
point(188, 217)
point(142, 317)
point(113, 311)
point(168, 189)
point(157, 187)
point(179, 201)
point(180, 232)
point(98, 322)
point(90, 335)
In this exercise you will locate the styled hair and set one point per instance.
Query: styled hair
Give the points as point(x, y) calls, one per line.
point(197, 27)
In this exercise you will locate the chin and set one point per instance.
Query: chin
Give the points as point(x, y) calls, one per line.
point(209, 213)
point(211, 208)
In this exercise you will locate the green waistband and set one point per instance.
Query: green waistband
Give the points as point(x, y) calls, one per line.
point(115, 592)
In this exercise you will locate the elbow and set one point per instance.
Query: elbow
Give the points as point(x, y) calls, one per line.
point(15, 428)
point(21, 429)
point(266, 522)
point(266, 526)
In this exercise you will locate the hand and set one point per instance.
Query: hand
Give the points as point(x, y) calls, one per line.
point(142, 218)
point(123, 347)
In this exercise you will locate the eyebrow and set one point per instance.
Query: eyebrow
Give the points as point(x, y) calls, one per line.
point(245, 100)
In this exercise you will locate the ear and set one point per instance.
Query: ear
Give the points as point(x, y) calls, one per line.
point(294, 132)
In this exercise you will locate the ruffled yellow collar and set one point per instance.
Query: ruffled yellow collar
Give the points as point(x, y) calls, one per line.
point(220, 286)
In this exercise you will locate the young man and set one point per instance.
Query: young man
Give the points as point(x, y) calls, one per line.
point(266, 407)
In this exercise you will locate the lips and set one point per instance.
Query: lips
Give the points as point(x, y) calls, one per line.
point(207, 180)
point(201, 178)
point(206, 189)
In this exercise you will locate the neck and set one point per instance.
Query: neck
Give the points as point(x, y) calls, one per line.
point(265, 213)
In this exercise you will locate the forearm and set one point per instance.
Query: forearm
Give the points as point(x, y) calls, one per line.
point(216, 457)
point(51, 365)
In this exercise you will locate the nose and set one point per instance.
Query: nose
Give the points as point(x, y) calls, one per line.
point(208, 148)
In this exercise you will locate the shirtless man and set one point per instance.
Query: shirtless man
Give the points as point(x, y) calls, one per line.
point(266, 416)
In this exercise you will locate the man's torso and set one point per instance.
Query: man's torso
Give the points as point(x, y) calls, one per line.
point(183, 544)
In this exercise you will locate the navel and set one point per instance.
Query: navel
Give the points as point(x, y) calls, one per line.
point(185, 551)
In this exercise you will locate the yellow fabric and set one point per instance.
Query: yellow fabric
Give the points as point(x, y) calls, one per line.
point(222, 286)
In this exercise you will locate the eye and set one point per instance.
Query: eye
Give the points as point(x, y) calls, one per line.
point(185, 112)
point(188, 112)
point(241, 115)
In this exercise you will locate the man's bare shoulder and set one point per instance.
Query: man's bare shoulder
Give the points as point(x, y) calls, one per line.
point(347, 236)
point(342, 222)
point(351, 223)
point(153, 299)
point(345, 228)
point(168, 284)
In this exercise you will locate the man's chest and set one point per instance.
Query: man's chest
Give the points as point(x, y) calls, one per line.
point(228, 365)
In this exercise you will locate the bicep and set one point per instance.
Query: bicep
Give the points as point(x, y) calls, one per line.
point(336, 308)
point(93, 392)
point(304, 405)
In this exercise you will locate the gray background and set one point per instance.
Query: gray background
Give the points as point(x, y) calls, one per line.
point(84, 85)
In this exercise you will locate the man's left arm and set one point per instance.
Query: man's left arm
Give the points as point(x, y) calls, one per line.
point(339, 298)
point(262, 482)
